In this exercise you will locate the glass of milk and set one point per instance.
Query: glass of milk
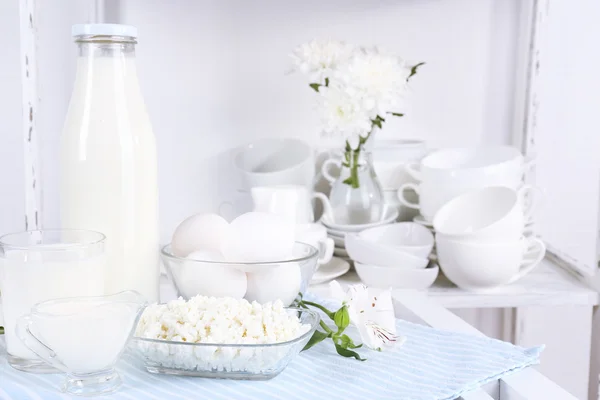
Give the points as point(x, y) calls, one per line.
point(83, 337)
point(36, 266)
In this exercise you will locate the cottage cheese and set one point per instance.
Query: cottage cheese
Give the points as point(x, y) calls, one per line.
point(210, 320)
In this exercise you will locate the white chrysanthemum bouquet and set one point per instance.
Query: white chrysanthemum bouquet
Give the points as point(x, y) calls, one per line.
point(358, 89)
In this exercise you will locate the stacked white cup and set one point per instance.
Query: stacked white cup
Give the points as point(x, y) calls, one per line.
point(447, 173)
point(390, 158)
point(481, 237)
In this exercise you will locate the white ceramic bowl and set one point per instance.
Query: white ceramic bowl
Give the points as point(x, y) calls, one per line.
point(409, 237)
point(276, 161)
point(397, 278)
point(367, 252)
point(493, 214)
point(479, 266)
point(389, 215)
point(470, 165)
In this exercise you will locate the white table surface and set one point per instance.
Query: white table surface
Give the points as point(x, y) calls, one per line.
point(547, 285)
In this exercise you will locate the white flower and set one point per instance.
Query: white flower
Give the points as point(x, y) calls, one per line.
point(320, 58)
point(379, 79)
point(343, 113)
point(373, 315)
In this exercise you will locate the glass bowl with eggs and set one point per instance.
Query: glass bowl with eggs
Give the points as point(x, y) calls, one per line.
point(254, 257)
point(222, 337)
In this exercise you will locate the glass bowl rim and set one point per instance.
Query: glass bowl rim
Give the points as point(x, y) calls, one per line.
point(313, 327)
point(99, 239)
point(166, 253)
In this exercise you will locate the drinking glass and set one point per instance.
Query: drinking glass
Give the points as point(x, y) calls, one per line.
point(40, 265)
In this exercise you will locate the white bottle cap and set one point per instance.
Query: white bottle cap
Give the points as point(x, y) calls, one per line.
point(104, 30)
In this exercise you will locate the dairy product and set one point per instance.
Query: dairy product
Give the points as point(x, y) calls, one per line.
point(87, 336)
point(109, 167)
point(41, 278)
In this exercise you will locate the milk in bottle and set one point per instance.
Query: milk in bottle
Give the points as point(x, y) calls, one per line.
point(108, 158)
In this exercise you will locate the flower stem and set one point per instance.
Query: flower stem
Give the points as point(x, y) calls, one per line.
point(320, 307)
point(354, 169)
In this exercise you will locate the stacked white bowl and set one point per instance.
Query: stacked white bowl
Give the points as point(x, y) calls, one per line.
point(390, 158)
point(482, 238)
point(337, 232)
point(395, 255)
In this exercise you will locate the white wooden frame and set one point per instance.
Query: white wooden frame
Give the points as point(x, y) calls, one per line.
point(527, 97)
point(527, 103)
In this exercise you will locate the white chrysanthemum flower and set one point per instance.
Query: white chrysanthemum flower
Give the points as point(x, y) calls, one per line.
point(320, 58)
point(343, 113)
point(379, 79)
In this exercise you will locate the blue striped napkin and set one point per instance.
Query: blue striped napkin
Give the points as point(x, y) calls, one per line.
point(431, 365)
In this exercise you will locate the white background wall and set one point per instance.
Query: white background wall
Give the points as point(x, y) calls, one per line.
point(213, 75)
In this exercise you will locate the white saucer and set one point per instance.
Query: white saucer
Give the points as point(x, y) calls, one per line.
point(419, 219)
point(333, 269)
point(389, 215)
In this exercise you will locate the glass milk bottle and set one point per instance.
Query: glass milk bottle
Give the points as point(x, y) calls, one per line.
point(108, 159)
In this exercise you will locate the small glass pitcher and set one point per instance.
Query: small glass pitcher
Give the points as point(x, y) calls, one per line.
point(356, 196)
point(83, 337)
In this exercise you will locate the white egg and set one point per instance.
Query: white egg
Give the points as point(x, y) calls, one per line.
point(281, 283)
point(258, 237)
point(210, 279)
point(199, 232)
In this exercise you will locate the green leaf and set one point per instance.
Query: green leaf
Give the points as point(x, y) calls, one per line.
point(315, 86)
point(1, 330)
point(396, 114)
point(341, 318)
point(317, 337)
point(326, 82)
point(377, 123)
point(348, 353)
point(347, 343)
point(414, 69)
point(349, 181)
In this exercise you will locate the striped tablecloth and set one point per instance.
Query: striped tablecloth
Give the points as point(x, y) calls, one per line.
point(431, 365)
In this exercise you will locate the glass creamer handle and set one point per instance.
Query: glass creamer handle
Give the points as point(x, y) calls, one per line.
point(35, 345)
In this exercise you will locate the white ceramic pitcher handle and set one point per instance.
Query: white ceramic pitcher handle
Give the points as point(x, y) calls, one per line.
point(536, 247)
point(327, 209)
point(412, 169)
point(325, 169)
point(35, 345)
point(537, 194)
point(403, 200)
point(327, 251)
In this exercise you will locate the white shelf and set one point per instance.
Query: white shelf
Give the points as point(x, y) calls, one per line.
point(547, 285)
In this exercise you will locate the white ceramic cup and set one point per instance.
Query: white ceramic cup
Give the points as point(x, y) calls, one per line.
point(316, 236)
point(480, 266)
point(390, 158)
point(292, 202)
point(492, 214)
point(276, 161)
point(472, 166)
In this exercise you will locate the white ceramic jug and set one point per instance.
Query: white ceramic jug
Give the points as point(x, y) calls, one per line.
point(292, 202)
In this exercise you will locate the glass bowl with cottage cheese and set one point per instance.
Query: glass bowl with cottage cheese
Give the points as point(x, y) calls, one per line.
point(203, 273)
point(222, 337)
